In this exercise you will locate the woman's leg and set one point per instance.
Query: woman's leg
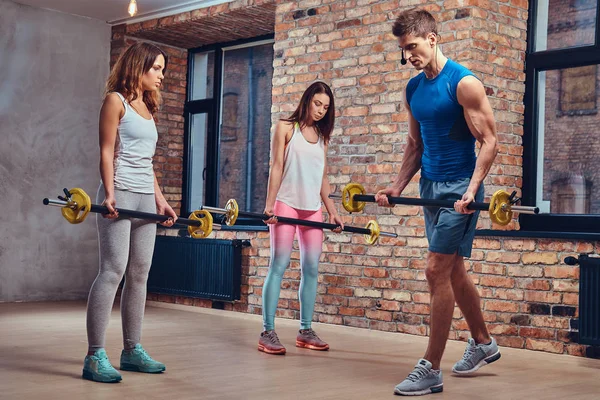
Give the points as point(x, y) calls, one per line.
point(113, 240)
point(311, 245)
point(282, 239)
point(133, 297)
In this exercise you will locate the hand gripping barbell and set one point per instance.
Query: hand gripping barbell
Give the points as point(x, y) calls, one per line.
point(500, 207)
point(77, 205)
point(232, 211)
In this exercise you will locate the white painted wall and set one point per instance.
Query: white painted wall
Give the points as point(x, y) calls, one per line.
point(54, 66)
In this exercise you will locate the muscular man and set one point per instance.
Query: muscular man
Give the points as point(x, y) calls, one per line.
point(448, 111)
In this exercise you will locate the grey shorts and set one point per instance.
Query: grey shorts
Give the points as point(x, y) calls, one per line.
point(448, 231)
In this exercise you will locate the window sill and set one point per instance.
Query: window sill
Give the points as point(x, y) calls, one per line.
point(538, 234)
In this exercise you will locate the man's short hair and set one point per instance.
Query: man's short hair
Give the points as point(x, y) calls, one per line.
point(416, 22)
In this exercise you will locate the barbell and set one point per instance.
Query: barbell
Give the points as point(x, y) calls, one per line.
point(76, 205)
point(500, 207)
point(231, 212)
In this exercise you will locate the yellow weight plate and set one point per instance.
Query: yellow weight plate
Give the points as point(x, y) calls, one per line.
point(373, 226)
point(206, 224)
point(79, 206)
point(500, 208)
point(232, 210)
point(348, 201)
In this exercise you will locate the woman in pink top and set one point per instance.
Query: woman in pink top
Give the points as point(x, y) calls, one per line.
point(298, 184)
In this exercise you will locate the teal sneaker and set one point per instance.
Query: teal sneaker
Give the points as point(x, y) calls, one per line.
point(98, 368)
point(139, 361)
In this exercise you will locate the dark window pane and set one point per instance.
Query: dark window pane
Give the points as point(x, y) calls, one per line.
point(569, 134)
point(245, 126)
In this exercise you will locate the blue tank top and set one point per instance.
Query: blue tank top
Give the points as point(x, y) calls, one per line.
point(448, 145)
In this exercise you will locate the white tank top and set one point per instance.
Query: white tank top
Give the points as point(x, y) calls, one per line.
point(134, 149)
point(303, 166)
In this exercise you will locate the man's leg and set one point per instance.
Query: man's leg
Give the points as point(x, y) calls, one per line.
point(468, 300)
point(438, 273)
point(481, 348)
point(426, 377)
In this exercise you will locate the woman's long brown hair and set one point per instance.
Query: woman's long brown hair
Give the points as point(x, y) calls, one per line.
point(126, 74)
point(325, 124)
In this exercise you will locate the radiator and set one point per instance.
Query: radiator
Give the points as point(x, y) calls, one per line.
point(200, 268)
point(589, 298)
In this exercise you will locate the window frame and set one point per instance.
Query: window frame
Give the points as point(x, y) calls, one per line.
point(535, 62)
point(211, 106)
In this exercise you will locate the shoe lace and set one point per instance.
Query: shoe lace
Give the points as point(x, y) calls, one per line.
point(273, 338)
point(469, 351)
point(104, 363)
point(310, 333)
point(145, 356)
point(417, 374)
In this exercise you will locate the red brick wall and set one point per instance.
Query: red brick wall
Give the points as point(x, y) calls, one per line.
point(529, 296)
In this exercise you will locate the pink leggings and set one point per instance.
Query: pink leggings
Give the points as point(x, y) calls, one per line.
point(282, 239)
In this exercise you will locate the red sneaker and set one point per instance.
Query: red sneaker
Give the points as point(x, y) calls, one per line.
point(270, 344)
point(308, 339)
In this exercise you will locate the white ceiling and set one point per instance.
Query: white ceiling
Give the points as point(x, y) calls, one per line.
point(115, 11)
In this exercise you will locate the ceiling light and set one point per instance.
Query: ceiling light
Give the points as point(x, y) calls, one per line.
point(132, 9)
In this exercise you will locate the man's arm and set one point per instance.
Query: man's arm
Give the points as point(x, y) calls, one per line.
point(480, 119)
point(411, 162)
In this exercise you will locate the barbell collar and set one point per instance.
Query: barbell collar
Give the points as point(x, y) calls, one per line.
point(388, 234)
point(525, 209)
point(214, 210)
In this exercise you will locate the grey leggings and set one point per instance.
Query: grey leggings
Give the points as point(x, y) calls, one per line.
point(126, 247)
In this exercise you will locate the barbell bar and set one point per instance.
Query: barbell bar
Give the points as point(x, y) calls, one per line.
point(232, 211)
point(76, 205)
point(500, 207)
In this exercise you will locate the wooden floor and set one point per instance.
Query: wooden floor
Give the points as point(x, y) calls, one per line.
point(211, 354)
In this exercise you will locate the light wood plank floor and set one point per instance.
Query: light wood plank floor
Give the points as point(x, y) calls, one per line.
point(211, 354)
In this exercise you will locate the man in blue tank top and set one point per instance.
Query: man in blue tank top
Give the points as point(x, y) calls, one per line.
point(448, 111)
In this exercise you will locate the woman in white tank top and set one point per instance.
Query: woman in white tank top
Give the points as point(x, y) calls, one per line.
point(128, 139)
point(298, 184)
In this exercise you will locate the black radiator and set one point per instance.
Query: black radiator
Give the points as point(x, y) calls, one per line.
point(589, 298)
point(201, 268)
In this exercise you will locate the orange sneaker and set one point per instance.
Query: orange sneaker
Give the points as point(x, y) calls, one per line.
point(308, 339)
point(270, 344)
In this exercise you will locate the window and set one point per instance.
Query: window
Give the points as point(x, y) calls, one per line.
point(562, 124)
point(228, 125)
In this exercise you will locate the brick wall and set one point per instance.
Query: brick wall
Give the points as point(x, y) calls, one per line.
point(529, 296)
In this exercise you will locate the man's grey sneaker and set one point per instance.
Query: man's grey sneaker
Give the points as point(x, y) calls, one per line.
point(476, 356)
point(422, 380)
